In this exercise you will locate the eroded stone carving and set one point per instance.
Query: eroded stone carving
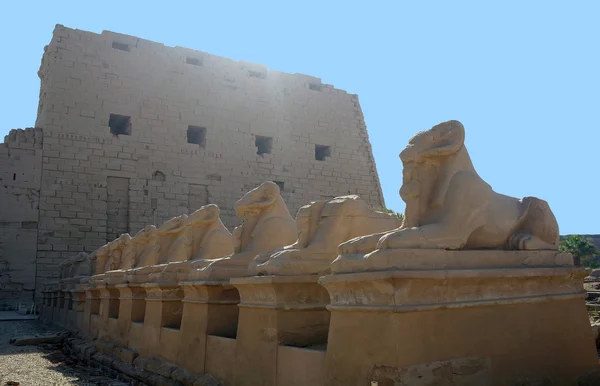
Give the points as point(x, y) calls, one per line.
point(170, 242)
point(267, 226)
point(449, 206)
point(64, 268)
point(131, 254)
point(115, 252)
point(81, 265)
point(322, 226)
point(210, 239)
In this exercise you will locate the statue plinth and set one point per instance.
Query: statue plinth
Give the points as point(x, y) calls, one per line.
point(277, 311)
point(209, 309)
point(508, 315)
point(162, 320)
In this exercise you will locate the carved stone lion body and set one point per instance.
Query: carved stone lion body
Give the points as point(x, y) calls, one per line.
point(323, 225)
point(80, 265)
point(137, 245)
point(169, 241)
point(267, 226)
point(130, 255)
point(449, 206)
point(209, 239)
point(108, 257)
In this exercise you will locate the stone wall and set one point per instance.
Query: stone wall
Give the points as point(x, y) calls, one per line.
point(181, 128)
point(20, 176)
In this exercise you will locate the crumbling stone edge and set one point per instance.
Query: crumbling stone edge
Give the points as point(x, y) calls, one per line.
point(127, 365)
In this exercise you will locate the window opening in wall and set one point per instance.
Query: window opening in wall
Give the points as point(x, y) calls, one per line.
point(196, 135)
point(120, 46)
point(14, 176)
point(281, 184)
point(256, 74)
point(315, 87)
point(119, 124)
point(322, 152)
point(264, 145)
point(158, 176)
point(194, 61)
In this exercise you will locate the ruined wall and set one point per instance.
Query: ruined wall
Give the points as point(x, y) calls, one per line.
point(183, 128)
point(20, 176)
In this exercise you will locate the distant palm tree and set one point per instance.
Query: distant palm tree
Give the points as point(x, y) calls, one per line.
point(582, 249)
point(397, 214)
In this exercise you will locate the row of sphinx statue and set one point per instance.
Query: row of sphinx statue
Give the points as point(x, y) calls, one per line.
point(448, 206)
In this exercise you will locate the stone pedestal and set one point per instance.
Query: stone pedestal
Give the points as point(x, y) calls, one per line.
point(109, 311)
point(477, 317)
point(55, 308)
point(77, 308)
point(67, 306)
point(61, 314)
point(44, 311)
point(162, 321)
point(48, 307)
point(209, 309)
point(276, 311)
point(91, 312)
point(132, 309)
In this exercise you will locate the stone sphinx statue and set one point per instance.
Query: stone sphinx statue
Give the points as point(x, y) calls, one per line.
point(267, 225)
point(322, 226)
point(209, 237)
point(75, 269)
point(168, 243)
point(80, 266)
point(449, 206)
point(64, 268)
point(131, 254)
point(115, 252)
point(108, 258)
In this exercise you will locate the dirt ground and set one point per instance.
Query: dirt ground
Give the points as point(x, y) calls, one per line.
point(44, 364)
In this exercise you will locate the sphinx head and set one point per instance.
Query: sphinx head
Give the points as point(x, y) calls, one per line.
point(173, 225)
point(204, 216)
point(256, 200)
point(442, 140)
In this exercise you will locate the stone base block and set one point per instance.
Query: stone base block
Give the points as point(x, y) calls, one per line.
point(209, 309)
point(517, 320)
point(276, 311)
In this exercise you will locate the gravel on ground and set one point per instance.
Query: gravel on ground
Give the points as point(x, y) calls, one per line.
point(43, 364)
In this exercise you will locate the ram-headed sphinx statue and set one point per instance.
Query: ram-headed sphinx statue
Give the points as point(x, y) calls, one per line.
point(449, 206)
point(267, 225)
point(322, 226)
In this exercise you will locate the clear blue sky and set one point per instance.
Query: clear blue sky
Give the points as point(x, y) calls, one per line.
point(522, 76)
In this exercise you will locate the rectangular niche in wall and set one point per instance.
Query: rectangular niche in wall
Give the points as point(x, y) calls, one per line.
point(120, 46)
point(322, 152)
point(119, 124)
point(264, 145)
point(194, 61)
point(197, 135)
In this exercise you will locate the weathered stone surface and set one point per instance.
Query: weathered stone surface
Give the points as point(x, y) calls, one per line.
point(448, 206)
point(591, 378)
point(323, 226)
point(35, 340)
point(20, 177)
point(267, 226)
point(206, 380)
point(120, 151)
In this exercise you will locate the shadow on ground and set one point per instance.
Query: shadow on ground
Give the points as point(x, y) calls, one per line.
point(43, 364)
